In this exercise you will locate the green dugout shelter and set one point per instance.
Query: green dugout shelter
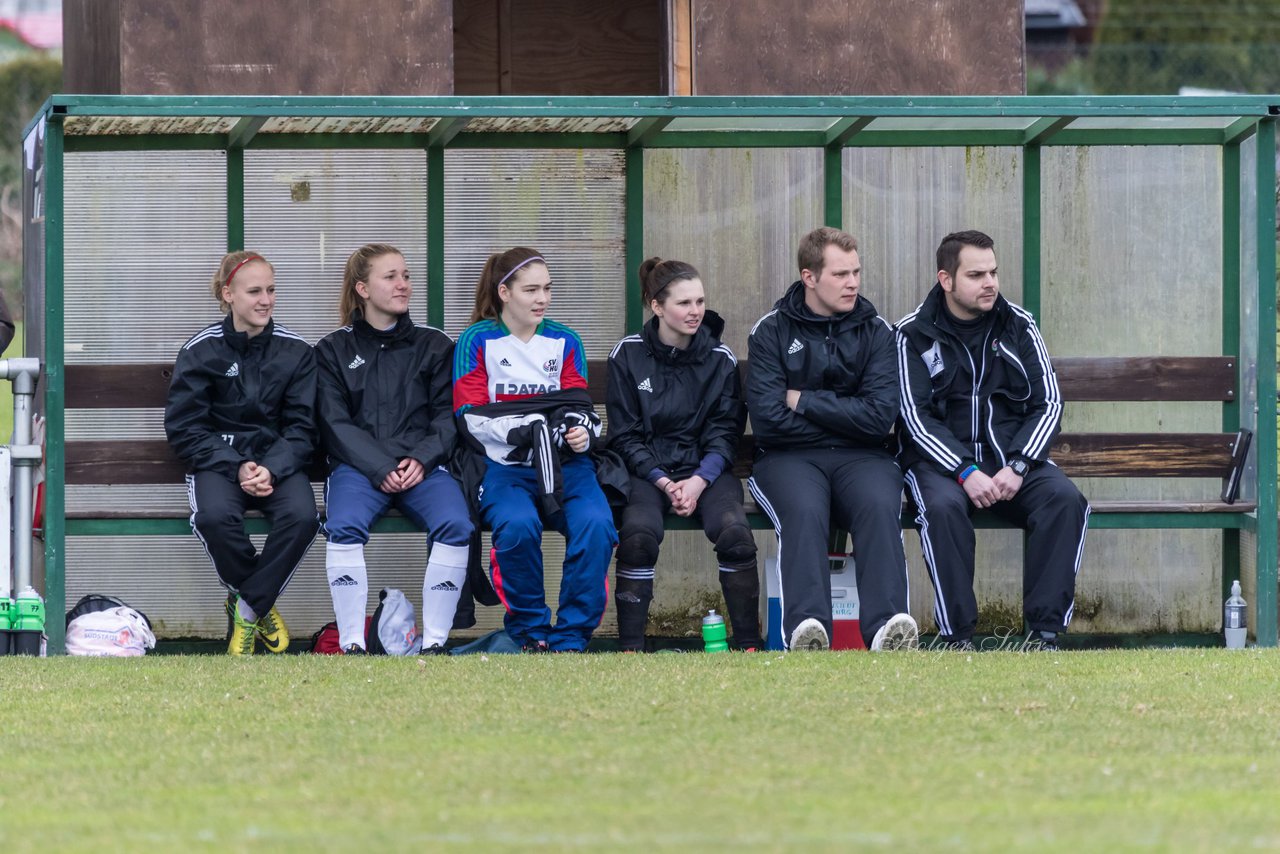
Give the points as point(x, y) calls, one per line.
point(1130, 226)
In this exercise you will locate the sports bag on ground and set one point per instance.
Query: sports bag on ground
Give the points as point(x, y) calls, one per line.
point(100, 602)
point(119, 632)
point(393, 629)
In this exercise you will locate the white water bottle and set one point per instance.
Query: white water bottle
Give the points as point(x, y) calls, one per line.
point(1233, 618)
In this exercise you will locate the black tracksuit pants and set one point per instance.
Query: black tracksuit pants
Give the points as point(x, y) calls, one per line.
point(724, 521)
point(218, 505)
point(1048, 507)
point(803, 491)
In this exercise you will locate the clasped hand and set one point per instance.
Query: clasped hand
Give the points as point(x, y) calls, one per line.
point(683, 494)
point(407, 474)
point(255, 480)
point(984, 491)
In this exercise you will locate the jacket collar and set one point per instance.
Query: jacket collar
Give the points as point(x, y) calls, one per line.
point(240, 341)
point(933, 312)
point(706, 339)
point(792, 304)
point(404, 326)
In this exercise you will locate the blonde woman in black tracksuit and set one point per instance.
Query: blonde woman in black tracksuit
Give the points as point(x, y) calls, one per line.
point(241, 415)
point(675, 416)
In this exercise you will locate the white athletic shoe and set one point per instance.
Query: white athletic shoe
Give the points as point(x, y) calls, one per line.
point(809, 636)
point(900, 632)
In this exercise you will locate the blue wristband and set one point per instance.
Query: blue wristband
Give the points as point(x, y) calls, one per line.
point(964, 475)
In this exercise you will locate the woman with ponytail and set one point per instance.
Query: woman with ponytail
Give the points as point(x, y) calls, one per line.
point(520, 394)
point(241, 415)
point(675, 416)
point(387, 425)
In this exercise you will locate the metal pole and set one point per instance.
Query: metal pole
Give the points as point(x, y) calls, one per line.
point(23, 373)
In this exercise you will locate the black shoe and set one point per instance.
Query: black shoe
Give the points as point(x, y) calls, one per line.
point(434, 649)
point(354, 649)
point(535, 647)
point(1042, 642)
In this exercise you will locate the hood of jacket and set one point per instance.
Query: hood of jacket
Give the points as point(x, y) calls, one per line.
point(402, 329)
point(706, 339)
point(792, 305)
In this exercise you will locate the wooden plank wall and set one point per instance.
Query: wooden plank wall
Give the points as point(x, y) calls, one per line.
point(558, 47)
point(858, 47)
point(284, 47)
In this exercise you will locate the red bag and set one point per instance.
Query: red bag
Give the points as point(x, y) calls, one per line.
point(325, 641)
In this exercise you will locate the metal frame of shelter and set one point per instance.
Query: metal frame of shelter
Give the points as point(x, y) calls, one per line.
point(131, 123)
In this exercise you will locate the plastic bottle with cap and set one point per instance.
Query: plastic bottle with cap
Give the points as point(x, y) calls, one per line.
point(713, 633)
point(8, 612)
point(1234, 628)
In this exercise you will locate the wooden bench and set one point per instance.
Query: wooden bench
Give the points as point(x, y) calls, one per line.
point(1156, 454)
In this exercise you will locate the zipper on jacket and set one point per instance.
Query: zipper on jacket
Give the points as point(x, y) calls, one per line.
point(991, 433)
point(975, 418)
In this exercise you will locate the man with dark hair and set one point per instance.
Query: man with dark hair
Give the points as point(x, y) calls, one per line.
point(822, 392)
point(980, 408)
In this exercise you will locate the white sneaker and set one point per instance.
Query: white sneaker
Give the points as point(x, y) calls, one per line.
point(900, 632)
point(809, 636)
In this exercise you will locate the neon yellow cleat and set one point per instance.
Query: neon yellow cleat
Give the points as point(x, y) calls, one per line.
point(243, 633)
point(273, 631)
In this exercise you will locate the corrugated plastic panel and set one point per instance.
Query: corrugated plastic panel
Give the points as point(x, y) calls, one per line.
point(142, 499)
point(728, 123)
point(367, 124)
point(114, 424)
point(735, 215)
point(542, 124)
point(308, 210)
point(900, 202)
point(948, 123)
point(569, 205)
point(144, 232)
point(137, 125)
point(1153, 122)
point(171, 580)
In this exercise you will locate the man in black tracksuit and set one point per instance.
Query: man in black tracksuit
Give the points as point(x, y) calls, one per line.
point(980, 407)
point(823, 397)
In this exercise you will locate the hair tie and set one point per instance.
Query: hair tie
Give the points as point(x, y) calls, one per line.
point(236, 268)
point(512, 271)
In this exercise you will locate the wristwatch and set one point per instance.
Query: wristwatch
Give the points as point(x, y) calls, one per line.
point(1019, 466)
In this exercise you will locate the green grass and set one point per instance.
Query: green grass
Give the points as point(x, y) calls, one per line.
point(1149, 750)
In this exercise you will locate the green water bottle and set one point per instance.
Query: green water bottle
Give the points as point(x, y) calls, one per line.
point(713, 633)
point(8, 611)
point(28, 623)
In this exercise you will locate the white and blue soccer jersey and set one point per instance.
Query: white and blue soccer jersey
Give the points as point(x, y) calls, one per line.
point(491, 365)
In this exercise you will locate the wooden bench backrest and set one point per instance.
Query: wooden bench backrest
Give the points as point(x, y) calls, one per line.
point(1115, 379)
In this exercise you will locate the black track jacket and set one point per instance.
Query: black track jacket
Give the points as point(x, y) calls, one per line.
point(954, 410)
point(235, 399)
point(667, 407)
point(843, 366)
point(386, 395)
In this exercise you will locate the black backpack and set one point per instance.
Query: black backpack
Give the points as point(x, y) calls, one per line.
point(95, 602)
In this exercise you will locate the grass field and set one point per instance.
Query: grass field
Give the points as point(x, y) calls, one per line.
point(1123, 750)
